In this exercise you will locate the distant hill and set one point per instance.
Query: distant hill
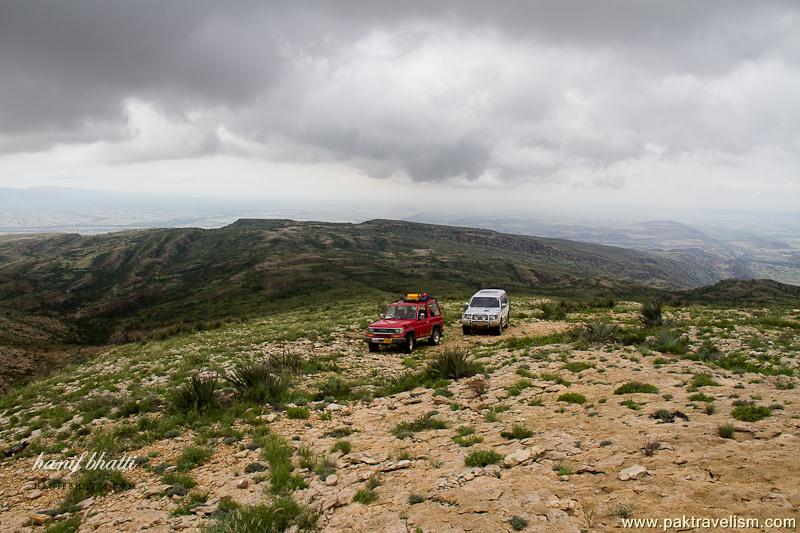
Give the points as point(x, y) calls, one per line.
point(751, 292)
point(97, 288)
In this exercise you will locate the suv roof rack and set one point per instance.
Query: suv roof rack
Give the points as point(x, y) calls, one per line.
point(415, 297)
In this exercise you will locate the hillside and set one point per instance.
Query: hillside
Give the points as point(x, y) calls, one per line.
point(93, 289)
point(560, 425)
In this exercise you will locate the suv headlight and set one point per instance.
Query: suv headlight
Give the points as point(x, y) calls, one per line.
point(466, 316)
point(398, 330)
point(492, 317)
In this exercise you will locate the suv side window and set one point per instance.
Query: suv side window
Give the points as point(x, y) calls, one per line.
point(434, 307)
point(504, 299)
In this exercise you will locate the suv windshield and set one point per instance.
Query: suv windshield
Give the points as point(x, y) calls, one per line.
point(401, 311)
point(484, 301)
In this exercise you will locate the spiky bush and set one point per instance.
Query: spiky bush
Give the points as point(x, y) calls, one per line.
point(650, 314)
point(286, 362)
point(595, 333)
point(668, 341)
point(197, 394)
point(257, 382)
point(453, 363)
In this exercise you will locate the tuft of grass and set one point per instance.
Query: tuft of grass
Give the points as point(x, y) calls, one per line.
point(281, 514)
point(94, 483)
point(414, 499)
point(726, 431)
point(650, 314)
point(482, 458)
point(577, 366)
point(517, 388)
point(191, 457)
point(572, 397)
point(556, 310)
point(703, 380)
point(668, 341)
point(424, 422)
point(595, 333)
point(297, 413)
point(453, 363)
point(199, 394)
point(335, 388)
point(368, 495)
point(636, 387)
point(257, 382)
point(518, 431)
point(700, 397)
point(750, 412)
point(343, 446)
point(518, 523)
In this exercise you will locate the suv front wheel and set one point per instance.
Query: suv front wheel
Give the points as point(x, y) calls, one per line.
point(436, 336)
point(410, 342)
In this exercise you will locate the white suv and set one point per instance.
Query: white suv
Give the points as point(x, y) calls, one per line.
point(487, 309)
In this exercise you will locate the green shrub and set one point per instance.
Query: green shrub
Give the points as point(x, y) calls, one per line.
point(414, 499)
point(334, 387)
point(191, 457)
point(700, 397)
point(577, 366)
point(572, 397)
point(424, 422)
point(750, 412)
point(94, 483)
point(555, 310)
point(343, 446)
point(518, 523)
point(198, 394)
point(482, 458)
point(68, 525)
point(257, 382)
point(280, 515)
point(404, 381)
point(297, 413)
point(726, 431)
point(518, 431)
point(703, 380)
point(636, 387)
point(517, 388)
point(453, 363)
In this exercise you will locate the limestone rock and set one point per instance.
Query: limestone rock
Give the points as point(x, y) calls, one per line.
point(633, 472)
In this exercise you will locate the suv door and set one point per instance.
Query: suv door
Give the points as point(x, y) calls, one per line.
point(423, 326)
point(505, 308)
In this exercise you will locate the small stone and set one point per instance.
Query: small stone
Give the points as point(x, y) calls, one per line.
point(170, 469)
point(680, 460)
point(243, 483)
point(33, 494)
point(85, 504)
point(332, 480)
point(633, 472)
point(516, 458)
point(334, 407)
point(38, 519)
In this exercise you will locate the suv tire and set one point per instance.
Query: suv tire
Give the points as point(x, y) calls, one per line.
point(372, 347)
point(410, 342)
point(508, 318)
point(435, 337)
point(498, 330)
point(465, 329)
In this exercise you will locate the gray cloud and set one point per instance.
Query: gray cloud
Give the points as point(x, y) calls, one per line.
point(470, 90)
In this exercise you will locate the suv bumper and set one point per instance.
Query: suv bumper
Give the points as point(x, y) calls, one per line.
point(481, 323)
point(384, 341)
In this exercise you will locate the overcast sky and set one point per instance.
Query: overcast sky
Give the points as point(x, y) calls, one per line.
point(569, 103)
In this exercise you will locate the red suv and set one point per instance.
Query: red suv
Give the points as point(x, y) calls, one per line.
point(405, 322)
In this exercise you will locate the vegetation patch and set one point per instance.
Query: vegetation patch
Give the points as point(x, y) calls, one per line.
point(636, 387)
point(427, 421)
point(572, 397)
point(482, 458)
point(750, 412)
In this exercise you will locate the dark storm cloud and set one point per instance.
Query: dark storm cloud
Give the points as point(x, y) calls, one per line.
point(435, 90)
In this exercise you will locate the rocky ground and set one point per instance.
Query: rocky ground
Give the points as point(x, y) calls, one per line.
point(574, 452)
